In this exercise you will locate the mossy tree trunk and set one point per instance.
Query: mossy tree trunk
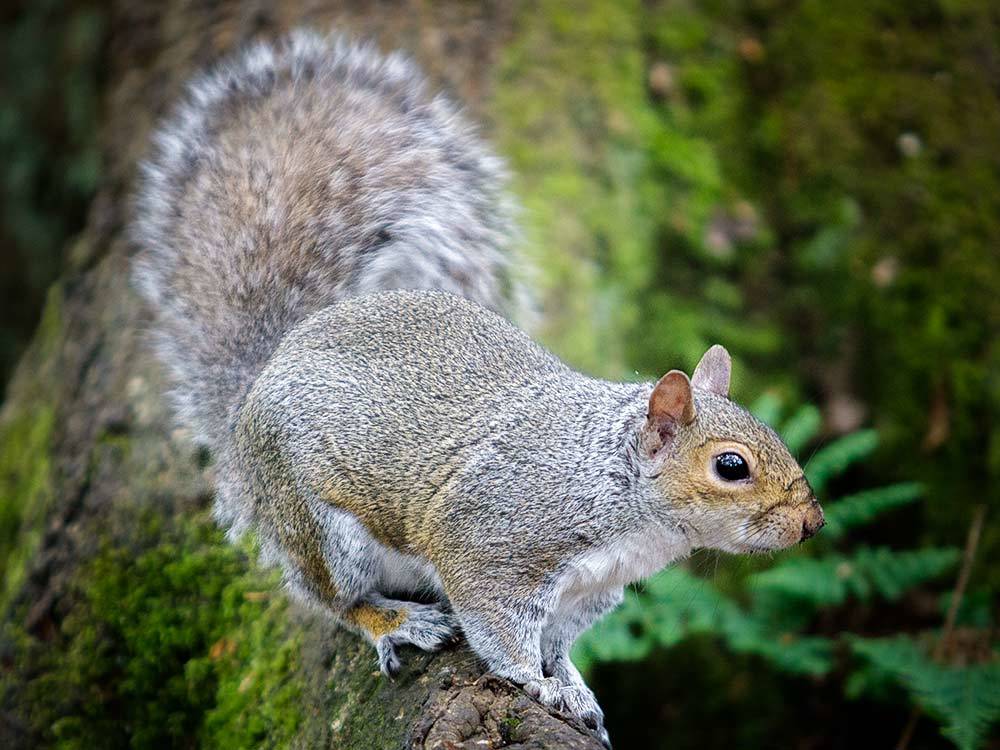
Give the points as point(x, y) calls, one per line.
point(127, 620)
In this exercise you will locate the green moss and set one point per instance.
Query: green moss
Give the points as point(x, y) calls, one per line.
point(24, 488)
point(509, 726)
point(365, 688)
point(26, 427)
point(50, 70)
point(174, 641)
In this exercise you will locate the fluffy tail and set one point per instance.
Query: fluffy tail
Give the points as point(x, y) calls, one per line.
point(290, 177)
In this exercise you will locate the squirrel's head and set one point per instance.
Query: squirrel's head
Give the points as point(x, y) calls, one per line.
point(730, 481)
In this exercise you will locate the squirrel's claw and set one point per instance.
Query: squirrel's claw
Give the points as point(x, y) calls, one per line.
point(575, 700)
point(427, 626)
point(388, 660)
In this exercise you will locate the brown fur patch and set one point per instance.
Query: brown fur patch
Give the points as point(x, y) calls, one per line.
point(374, 620)
point(380, 515)
point(308, 557)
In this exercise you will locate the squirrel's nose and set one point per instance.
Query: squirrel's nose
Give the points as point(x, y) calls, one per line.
point(812, 521)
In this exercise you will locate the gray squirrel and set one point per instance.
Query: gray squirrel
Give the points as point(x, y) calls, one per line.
point(325, 246)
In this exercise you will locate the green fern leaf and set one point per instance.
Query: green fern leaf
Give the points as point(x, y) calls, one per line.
point(806, 655)
point(680, 604)
point(863, 507)
point(831, 580)
point(801, 427)
point(819, 582)
point(835, 458)
point(624, 635)
point(676, 604)
point(892, 573)
point(966, 700)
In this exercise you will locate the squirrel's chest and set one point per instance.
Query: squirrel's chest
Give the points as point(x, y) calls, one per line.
point(622, 561)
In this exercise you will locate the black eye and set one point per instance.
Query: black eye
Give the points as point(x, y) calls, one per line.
point(732, 467)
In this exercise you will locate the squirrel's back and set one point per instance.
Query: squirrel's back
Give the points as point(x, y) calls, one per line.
point(381, 401)
point(291, 177)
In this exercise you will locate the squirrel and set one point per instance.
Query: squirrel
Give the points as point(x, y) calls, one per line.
point(326, 248)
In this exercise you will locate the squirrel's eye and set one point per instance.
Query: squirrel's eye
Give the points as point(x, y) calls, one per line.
point(732, 467)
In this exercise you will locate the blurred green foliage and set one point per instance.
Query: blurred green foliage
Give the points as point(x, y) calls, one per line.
point(50, 58)
point(627, 207)
point(965, 699)
point(816, 187)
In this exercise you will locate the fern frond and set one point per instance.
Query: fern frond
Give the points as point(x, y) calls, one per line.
point(801, 427)
point(794, 653)
point(623, 635)
point(869, 572)
point(676, 604)
point(679, 603)
point(863, 507)
point(836, 457)
point(966, 700)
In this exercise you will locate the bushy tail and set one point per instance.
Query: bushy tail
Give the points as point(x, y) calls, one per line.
point(290, 177)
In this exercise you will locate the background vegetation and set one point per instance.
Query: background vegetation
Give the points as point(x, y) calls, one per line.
point(816, 187)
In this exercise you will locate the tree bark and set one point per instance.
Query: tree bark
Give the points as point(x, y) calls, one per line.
point(100, 492)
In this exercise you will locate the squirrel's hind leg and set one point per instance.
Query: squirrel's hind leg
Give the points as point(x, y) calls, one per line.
point(330, 561)
point(337, 564)
point(505, 631)
point(389, 623)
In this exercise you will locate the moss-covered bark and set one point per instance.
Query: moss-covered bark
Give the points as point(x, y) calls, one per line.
point(127, 619)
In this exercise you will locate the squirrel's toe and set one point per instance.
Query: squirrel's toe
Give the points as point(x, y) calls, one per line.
point(575, 700)
point(388, 660)
point(546, 691)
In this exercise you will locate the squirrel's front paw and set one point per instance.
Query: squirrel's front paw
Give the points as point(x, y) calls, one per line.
point(575, 700)
point(578, 700)
point(546, 691)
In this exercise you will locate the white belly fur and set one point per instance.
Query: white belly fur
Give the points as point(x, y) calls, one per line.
point(617, 564)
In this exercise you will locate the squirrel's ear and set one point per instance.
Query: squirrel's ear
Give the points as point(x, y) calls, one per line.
point(672, 399)
point(671, 404)
point(712, 373)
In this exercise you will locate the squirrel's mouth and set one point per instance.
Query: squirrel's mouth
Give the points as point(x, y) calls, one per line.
point(779, 527)
point(783, 526)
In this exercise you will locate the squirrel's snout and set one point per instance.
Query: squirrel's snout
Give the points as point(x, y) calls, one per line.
point(812, 521)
